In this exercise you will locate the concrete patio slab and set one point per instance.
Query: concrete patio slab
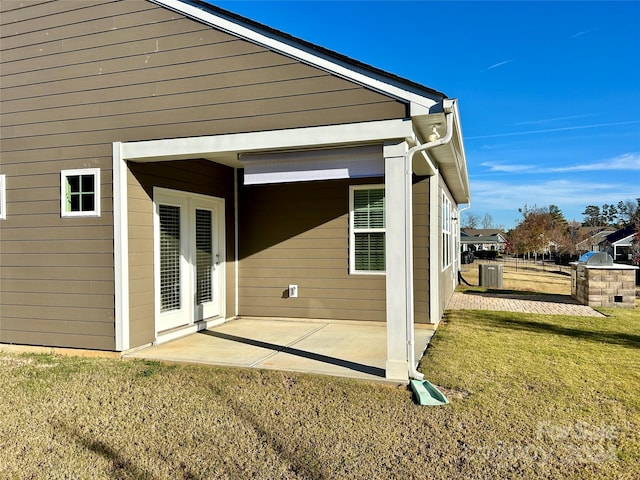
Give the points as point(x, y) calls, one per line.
point(346, 349)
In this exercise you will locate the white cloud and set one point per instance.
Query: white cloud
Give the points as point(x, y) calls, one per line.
point(556, 119)
point(503, 198)
point(499, 64)
point(626, 161)
point(549, 130)
point(507, 168)
point(584, 32)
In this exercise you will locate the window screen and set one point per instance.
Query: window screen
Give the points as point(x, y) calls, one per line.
point(204, 256)
point(368, 230)
point(169, 258)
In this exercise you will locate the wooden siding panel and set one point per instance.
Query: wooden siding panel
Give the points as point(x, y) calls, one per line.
point(60, 273)
point(61, 326)
point(234, 123)
point(38, 287)
point(125, 71)
point(312, 313)
point(27, 336)
point(106, 16)
point(245, 79)
point(421, 249)
point(60, 299)
point(245, 108)
point(78, 38)
point(42, 9)
point(71, 314)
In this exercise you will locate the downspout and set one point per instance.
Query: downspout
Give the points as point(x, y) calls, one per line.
point(408, 165)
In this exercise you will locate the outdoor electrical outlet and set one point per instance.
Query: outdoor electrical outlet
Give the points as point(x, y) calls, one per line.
point(293, 291)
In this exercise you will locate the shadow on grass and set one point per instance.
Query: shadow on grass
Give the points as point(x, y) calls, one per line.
point(120, 467)
point(617, 338)
point(358, 367)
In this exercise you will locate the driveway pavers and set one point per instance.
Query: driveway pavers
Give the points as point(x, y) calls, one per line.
point(545, 304)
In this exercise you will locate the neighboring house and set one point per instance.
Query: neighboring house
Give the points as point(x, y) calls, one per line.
point(168, 165)
point(592, 242)
point(477, 239)
point(619, 244)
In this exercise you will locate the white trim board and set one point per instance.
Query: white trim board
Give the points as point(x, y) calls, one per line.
point(226, 148)
point(121, 249)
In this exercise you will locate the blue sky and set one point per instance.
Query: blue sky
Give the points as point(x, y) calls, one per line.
point(549, 92)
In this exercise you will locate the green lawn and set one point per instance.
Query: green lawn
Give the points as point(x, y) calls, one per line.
point(532, 396)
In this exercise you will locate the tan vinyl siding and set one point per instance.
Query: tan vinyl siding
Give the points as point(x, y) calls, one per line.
point(78, 76)
point(421, 249)
point(299, 234)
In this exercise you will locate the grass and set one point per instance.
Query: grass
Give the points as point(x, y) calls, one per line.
point(532, 396)
point(525, 277)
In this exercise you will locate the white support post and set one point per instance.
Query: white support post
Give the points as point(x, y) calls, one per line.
point(434, 249)
point(121, 249)
point(397, 365)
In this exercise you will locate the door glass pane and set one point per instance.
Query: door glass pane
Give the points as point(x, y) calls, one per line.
point(169, 258)
point(204, 257)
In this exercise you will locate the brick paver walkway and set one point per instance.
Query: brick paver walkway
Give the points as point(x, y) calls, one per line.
point(546, 304)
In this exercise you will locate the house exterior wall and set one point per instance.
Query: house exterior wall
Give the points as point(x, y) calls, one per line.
point(448, 274)
point(421, 249)
point(77, 76)
point(298, 233)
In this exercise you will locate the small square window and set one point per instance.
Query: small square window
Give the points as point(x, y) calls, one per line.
point(3, 198)
point(80, 193)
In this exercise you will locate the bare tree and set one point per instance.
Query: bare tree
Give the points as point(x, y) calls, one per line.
point(471, 220)
point(487, 221)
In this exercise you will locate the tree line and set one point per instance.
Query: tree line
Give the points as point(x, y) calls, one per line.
point(545, 229)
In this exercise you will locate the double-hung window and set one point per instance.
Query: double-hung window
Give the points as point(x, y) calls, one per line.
point(367, 229)
point(80, 193)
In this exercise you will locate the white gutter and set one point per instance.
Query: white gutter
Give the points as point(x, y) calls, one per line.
point(408, 161)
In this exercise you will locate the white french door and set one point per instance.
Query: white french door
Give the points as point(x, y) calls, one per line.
point(189, 253)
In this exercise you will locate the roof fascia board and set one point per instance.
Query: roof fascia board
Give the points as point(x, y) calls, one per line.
point(397, 89)
point(287, 139)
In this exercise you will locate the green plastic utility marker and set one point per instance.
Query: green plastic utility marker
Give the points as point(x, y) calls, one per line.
point(427, 393)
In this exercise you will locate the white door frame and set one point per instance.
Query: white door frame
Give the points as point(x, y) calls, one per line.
point(189, 312)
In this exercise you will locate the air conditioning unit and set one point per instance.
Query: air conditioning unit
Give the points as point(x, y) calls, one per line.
point(491, 275)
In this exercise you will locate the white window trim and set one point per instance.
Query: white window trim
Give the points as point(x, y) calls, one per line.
point(352, 233)
point(63, 192)
point(3, 197)
point(446, 232)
